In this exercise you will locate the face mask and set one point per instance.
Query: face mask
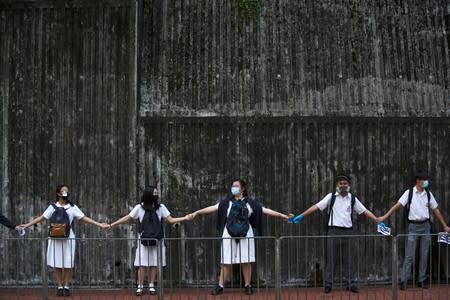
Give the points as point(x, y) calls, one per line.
point(343, 189)
point(235, 191)
point(65, 194)
point(425, 184)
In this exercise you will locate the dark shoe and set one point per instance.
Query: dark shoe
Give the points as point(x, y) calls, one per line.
point(354, 289)
point(422, 285)
point(327, 289)
point(60, 292)
point(139, 291)
point(402, 285)
point(66, 292)
point(248, 290)
point(152, 290)
point(217, 290)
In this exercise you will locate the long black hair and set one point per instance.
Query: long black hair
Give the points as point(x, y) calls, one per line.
point(58, 191)
point(148, 199)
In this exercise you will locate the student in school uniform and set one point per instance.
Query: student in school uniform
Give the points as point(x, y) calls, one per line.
point(8, 223)
point(146, 256)
point(418, 201)
point(61, 251)
point(340, 205)
point(234, 251)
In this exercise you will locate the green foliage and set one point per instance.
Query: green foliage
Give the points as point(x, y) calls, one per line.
point(249, 8)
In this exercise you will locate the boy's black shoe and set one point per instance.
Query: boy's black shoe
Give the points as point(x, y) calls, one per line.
point(60, 292)
point(66, 292)
point(402, 285)
point(422, 285)
point(354, 289)
point(217, 290)
point(327, 289)
point(248, 289)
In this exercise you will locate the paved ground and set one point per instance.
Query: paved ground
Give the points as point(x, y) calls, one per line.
point(435, 293)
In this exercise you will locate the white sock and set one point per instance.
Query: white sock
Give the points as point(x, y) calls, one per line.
point(151, 285)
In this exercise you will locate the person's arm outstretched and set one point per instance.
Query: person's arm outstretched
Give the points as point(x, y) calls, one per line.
point(93, 222)
point(172, 220)
point(390, 212)
point(438, 214)
point(307, 212)
point(33, 222)
point(122, 220)
point(204, 211)
point(370, 215)
point(273, 213)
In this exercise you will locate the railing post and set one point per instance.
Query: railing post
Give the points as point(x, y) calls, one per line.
point(160, 268)
point(394, 268)
point(44, 274)
point(277, 269)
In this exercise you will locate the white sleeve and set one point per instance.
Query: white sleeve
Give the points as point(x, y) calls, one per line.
point(404, 198)
point(359, 208)
point(433, 202)
point(48, 212)
point(77, 213)
point(322, 204)
point(134, 213)
point(163, 211)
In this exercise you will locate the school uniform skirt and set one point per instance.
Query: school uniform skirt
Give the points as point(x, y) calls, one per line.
point(61, 252)
point(147, 256)
point(234, 252)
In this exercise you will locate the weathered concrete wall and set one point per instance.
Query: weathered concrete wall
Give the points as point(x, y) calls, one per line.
point(285, 95)
point(308, 58)
point(68, 88)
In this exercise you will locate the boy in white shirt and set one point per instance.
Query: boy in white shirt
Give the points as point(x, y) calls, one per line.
point(340, 205)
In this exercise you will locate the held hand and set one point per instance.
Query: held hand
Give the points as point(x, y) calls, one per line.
point(295, 220)
point(447, 229)
point(190, 216)
point(284, 217)
point(105, 226)
point(380, 219)
point(23, 226)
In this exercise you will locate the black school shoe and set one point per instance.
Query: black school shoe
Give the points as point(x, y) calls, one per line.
point(327, 289)
point(353, 288)
point(60, 292)
point(66, 292)
point(248, 289)
point(217, 290)
point(422, 285)
point(402, 285)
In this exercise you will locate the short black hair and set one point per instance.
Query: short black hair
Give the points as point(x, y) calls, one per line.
point(421, 176)
point(342, 177)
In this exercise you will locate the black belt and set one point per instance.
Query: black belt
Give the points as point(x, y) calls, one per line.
point(339, 227)
point(419, 222)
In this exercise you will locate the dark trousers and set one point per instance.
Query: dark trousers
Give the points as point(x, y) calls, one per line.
point(341, 253)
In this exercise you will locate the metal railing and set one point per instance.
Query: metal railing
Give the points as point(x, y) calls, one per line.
point(287, 267)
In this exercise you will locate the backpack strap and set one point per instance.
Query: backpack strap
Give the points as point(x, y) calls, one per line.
point(408, 204)
point(330, 209)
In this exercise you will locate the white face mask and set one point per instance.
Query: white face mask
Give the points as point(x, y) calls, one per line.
point(425, 184)
point(65, 194)
point(235, 190)
point(343, 189)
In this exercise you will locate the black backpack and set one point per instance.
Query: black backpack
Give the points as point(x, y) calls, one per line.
point(238, 219)
point(151, 227)
point(330, 208)
point(408, 204)
point(59, 223)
